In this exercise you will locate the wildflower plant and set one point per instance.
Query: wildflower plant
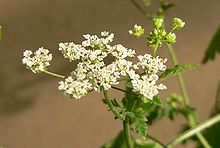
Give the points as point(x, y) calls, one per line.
point(141, 105)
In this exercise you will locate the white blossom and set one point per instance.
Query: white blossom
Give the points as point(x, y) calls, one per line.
point(75, 88)
point(147, 83)
point(151, 64)
point(72, 51)
point(37, 61)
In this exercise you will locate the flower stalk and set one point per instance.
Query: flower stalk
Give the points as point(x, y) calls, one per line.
point(54, 74)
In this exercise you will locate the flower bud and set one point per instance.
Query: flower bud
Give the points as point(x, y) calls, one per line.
point(177, 23)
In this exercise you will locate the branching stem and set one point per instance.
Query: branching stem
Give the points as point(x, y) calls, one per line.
point(195, 130)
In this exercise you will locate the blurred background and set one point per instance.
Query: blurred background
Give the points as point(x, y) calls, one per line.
point(34, 114)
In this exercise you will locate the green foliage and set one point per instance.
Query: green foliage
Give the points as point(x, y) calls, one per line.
point(177, 70)
point(139, 126)
point(212, 133)
point(213, 48)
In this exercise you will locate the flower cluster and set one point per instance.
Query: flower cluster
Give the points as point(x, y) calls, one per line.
point(92, 73)
point(138, 31)
point(37, 61)
point(177, 23)
point(158, 35)
point(145, 84)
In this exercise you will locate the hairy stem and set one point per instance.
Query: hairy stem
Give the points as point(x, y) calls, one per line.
point(194, 130)
point(54, 74)
point(111, 106)
point(127, 132)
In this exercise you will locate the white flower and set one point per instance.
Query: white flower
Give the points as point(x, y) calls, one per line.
point(120, 52)
point(37, 61)
point(147, 83)
point(75, 88)
point(151, 64)
point(72, 51)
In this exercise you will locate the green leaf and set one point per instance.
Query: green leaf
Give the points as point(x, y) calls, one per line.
point(139, 126)
point(177, 69)
point(212, 133)
point(213, 47)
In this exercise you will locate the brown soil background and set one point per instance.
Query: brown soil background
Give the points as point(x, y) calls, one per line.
point(34, 114)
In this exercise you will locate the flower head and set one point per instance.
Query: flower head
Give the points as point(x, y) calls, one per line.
point(146, 84)
point(37, 61)
point(177, 23)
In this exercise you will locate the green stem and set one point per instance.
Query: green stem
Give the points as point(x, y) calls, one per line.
point(127, 132)
point(111, 106)
point(179, 76)
point(54, 74)
point(194, 130)
point(190, 118)
point(155, 49)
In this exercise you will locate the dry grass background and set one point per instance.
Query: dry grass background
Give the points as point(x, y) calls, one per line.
point(34, 114)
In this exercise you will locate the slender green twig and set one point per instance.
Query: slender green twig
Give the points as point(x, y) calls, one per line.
point(194, 130)
point(111, 106)
point(54, 74)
